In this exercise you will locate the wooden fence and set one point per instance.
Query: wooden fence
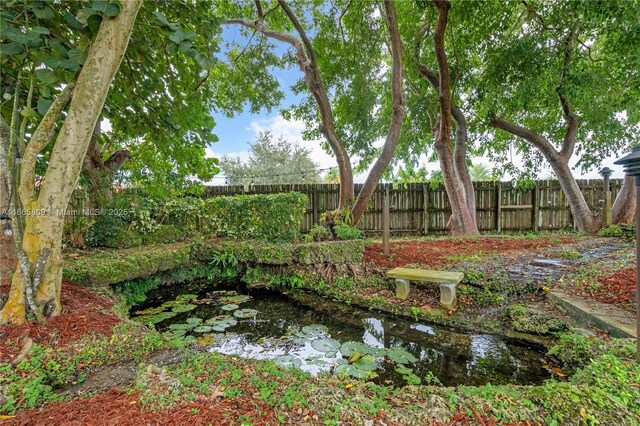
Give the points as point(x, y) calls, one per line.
point(418, 209)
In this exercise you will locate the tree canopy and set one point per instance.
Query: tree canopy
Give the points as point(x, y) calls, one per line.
point(271, 161)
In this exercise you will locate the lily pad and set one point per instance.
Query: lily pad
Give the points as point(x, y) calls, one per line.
point(151, 311)
point(203, 329)
point(315, 329)
point(349, 348)
point(173, 303)
point(235, 299)
point(288, 361)
point(206, 340)
point(194, 321)
point(366, 363)
point(184, 308)
point(221, 323)
point(155, 318)
point(181, 326)
point(400, 356)
point(245, 313)
point(186, 297)
point(325, 345)
point(229, 307)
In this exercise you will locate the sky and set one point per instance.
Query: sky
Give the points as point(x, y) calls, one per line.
point(236, 133)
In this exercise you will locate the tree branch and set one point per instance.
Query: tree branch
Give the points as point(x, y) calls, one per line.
point(303, 35)
point(538, 141)
point(39, 140)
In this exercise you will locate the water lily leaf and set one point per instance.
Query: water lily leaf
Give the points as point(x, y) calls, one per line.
point(181, 326)
point(366, 363)
point(348, 348)
point(376, 351)
point(203, 329)
point(221, 323)
point(194, 321)
point(288, 361)
point(235, 299)
point(205, 340)
point(245, 313)
point(186, 297)
point(150, 311)
point(400, 356)
point(172, 303)
point(155, 318)
point(315, 329)
point(331, 354)
point(229, 307)
point(325, 345)
point(184, 308)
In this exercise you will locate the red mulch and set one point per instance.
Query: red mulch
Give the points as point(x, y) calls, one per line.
point(118, 408)
point(616, 289)
point(435, 253)
point(83, 313)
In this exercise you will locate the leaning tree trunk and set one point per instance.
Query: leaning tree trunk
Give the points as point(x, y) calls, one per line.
point(460, 162)
point(462, 221)
point(7, 252)
point(582, 215)
point(40, 269)
point(624, 208)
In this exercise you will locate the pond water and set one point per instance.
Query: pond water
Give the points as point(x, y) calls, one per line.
point(335, 338)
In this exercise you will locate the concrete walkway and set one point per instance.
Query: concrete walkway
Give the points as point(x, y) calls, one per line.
point(618, 322)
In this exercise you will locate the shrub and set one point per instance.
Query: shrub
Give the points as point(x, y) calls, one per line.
point(104, 228)
point(318, 233)
point(346, 232)
point(123, 238)
point(627, 231)
point(184, 213)
point(164, 234)
point(270, 217)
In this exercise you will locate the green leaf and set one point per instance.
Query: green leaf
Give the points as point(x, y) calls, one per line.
point(28, 112)
point(203, 329)
point(71, 21)
point(366, 363)
point(44, 13)
point(400, 356)
point(113, 9)
point(41, 30)
point(204, 62)
point(94, 22)
point(229, 307)
point(177, 37)
point(77, 55)
point(46, 76)
point(11, 49)
point(70, 64)
point(99, 5)
point(245, 313)
point(52, 62)
point(325, 345)
point(349, 348)
point(164, 21)
point(15, 34)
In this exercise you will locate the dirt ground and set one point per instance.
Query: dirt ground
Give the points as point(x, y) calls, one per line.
point(84, 313)
point(439, 252)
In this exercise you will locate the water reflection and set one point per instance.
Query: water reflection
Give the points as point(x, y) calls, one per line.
point(455, 358)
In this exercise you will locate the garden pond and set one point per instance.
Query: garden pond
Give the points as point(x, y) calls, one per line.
point(338, 339)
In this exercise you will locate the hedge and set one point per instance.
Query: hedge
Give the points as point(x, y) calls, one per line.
point(268, 217)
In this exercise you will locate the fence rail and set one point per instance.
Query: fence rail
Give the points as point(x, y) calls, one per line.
point(416, 208)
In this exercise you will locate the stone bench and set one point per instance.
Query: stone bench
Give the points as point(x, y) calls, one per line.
point(446, 280)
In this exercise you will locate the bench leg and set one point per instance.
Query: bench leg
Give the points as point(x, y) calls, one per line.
point(402, 288)
point(448, 298)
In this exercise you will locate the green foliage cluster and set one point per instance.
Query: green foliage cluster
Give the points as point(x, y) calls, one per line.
point(337, 225)
point(34, 380)
point(627, 231)
point(269, 217)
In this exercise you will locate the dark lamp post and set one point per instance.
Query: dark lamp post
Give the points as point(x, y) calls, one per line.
point(631, 164)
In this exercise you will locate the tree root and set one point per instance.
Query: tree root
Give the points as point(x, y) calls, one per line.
point(27, 343)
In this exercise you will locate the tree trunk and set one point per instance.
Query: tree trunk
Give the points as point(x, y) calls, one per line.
point(42, 238)
point(462, 221)
point(624, 208)
point(460, 156)
point(397, 117)
point(7, 251)
point(100, 173)
point(582, 215)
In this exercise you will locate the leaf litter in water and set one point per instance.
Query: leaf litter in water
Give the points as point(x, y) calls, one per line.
point(151, 311)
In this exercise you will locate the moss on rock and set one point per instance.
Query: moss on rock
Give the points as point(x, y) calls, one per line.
point(528, 320)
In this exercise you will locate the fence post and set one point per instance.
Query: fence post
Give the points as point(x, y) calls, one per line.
point(535, 197)
point(316, 202)
point(498, 208)
point(425, 203)
point(385, 222)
